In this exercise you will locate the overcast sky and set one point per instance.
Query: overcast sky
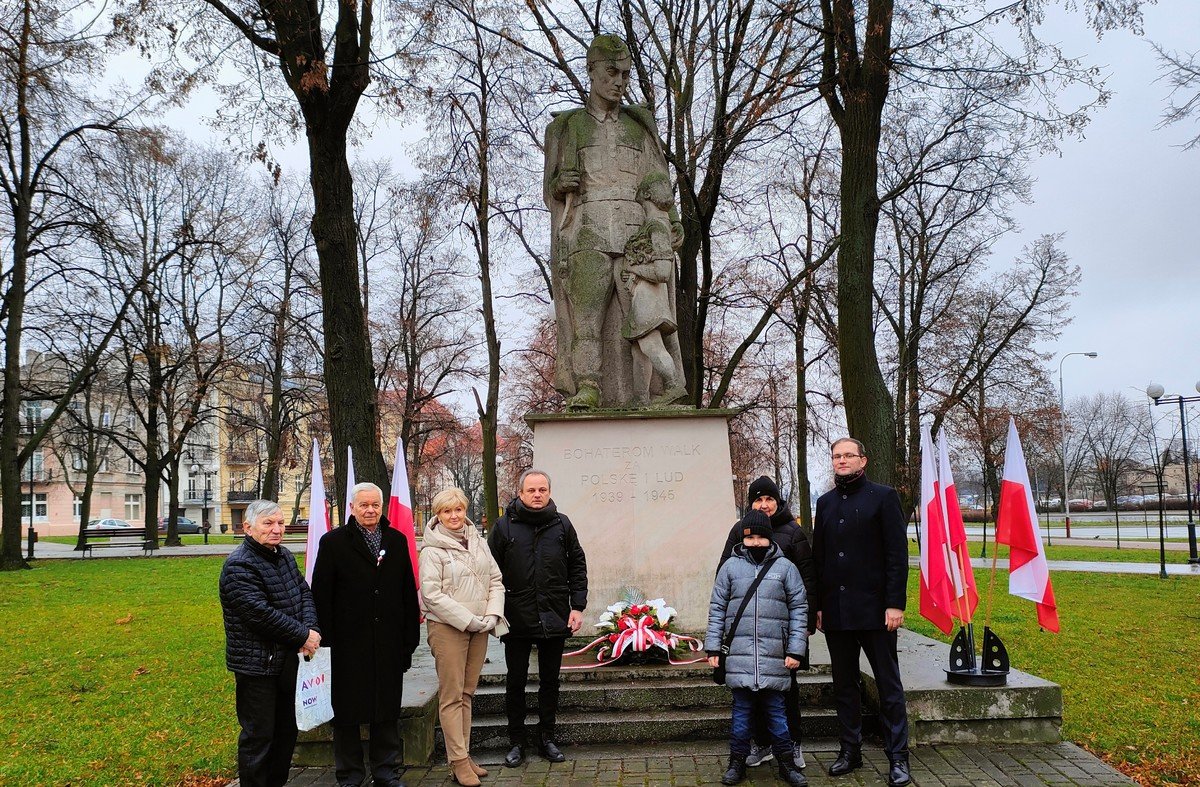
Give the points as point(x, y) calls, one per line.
point(1126, 197)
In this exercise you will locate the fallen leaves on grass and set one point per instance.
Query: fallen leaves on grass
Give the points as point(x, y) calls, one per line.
point(203, 780)
point(140, 671)
point(125, 621)
point(1163, 770)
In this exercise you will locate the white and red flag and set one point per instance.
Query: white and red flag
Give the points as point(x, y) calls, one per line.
point(399, 510)
point(1017, 526)
point(318, 514)
point(349, 483)
point(937, 586)
point(965, 595)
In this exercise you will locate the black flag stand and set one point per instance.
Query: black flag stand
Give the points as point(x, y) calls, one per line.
point(991, 670)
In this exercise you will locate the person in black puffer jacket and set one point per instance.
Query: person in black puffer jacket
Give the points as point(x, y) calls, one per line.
point(269, 619)
point(545, 593)
point(796, 546)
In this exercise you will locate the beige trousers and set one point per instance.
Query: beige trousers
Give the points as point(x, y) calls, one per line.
point(458, 656)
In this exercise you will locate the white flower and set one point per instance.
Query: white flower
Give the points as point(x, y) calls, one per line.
point(606, 617)
point(617, 608)
point(656, 603)
point(665, 614)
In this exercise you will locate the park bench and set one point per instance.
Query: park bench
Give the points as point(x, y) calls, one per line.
point(113, 537)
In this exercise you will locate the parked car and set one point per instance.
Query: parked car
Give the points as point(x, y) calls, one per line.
point(1128, 502)
point(184, 525)
point(1080, 504)
point(1099, 505)
point(113, 524)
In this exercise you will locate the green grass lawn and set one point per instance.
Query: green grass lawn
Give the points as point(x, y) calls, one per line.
point(117, 672)
point(1077, 552)
point(1127, 658)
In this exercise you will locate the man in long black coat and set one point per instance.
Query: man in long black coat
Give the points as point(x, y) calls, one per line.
point(366, 601)
point(861, 559)
point(545, 593)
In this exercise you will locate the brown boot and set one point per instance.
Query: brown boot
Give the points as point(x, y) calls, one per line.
point(479, 770)
point(462, 773)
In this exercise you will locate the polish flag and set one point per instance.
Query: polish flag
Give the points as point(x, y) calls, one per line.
point(349, 483)
point(937, 589)
point(966, 597)
point(399, 511)
point(1017, 526)
point(318, 514)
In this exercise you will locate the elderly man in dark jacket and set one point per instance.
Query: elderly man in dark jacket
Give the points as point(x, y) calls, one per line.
point(763, 496)
point(861, 555)
point(269, 619)
point(545, 593)
point(366, 596)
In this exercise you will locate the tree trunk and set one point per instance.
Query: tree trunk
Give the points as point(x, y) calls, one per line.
point(172, 539)
point(85, 505)
point(869, 413)
point(802, 505)
point(349, 370)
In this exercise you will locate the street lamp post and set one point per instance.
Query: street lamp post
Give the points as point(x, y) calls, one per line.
point(207, 472)
point(1062, 411)
point(1157, 393)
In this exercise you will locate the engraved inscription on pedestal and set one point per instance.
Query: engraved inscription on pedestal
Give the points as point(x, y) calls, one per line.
point(652, 500)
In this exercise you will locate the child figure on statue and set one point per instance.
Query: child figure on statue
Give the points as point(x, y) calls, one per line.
point(645, 276)
point(765, 641)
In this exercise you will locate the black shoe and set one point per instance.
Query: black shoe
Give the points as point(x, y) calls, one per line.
point(846, 761)
point(515, 756)
point(737, 770)
point(789, 774)
point(898, 776)
point(550, 751)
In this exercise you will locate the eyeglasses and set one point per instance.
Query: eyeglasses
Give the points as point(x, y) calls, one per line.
point(846, 456)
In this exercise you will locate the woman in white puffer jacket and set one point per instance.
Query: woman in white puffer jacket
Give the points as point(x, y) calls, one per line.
point(462, 594)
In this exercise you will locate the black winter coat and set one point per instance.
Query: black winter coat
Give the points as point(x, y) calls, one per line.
point(544, 568)
point(861, 556)
point(369, 619)
point(267, 606)
point(792, 542)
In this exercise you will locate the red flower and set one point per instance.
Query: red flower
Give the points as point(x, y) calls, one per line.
point(612, 637)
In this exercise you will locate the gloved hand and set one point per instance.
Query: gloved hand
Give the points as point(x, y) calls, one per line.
point(490, 621)
point(477, 624)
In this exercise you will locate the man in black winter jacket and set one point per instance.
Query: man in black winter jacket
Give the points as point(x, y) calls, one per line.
point(763, 495)
point(269, 618)
point(861, 555)
point(545, 593)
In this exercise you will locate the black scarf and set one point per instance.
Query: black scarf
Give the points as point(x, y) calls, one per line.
point(850, 483)
point(519, 512)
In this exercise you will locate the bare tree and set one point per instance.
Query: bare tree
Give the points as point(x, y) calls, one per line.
point(276, 339)
point(327, 57)
point(176, 215)
point(48, 110)
point(1181, 70)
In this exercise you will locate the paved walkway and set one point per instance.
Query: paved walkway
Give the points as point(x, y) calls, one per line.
point(691, 765)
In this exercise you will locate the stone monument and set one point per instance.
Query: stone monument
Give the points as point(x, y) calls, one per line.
point(645, 479)
point(614, 234)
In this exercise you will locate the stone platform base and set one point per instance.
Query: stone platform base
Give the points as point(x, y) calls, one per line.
point(651, 496)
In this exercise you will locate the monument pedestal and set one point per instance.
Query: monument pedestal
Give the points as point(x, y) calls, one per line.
point(651, 496)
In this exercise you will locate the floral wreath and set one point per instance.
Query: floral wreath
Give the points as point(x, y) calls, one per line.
point(639, 630)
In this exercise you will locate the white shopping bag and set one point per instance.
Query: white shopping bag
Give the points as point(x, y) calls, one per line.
point(314, 695)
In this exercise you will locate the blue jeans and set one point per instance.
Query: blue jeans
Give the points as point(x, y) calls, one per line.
point(770, 704)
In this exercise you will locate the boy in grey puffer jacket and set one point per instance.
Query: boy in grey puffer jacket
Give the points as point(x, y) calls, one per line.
point(770, 639)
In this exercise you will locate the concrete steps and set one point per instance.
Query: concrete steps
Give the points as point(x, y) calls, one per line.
point(653, 703)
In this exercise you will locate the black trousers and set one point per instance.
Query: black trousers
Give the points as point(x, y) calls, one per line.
point(791, 706)
point(879, 645)
point(266, 711)
point(383, 750)
point(516, 661)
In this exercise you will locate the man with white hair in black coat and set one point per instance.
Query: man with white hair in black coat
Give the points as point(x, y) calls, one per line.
point(269, 620)
point(366, 597)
